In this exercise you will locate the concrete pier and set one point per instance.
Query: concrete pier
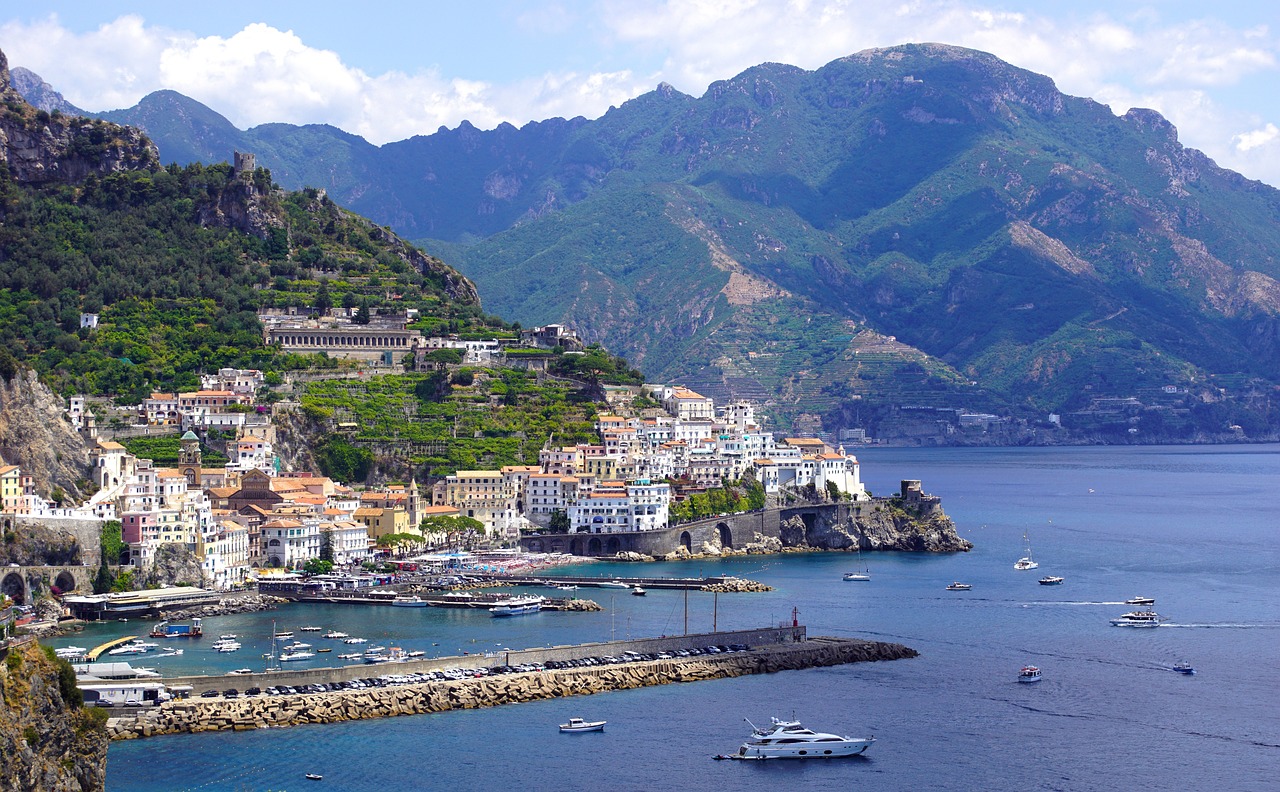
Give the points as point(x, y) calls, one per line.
point(199, 715)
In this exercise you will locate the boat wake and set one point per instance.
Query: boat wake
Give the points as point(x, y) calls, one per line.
point(1226, 626)
point(1071, 602)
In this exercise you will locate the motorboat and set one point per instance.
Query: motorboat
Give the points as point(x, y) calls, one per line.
point(289, 656)
point(130, 649)
point(356, 640)
point(1143, 618)
point(1051, 580)
point(375, 650)
point(789, 740)
point(228, 647)
point(615, 584)
point(240, 672)
point(1184, 668)
point(282, 636)
point(516, 606)
point(416, 653)
point(409, 602)
point(311, 629)
point(1029, 674)
point(1026, 562)
point(68, 652)
point(314, 777)
point(958, 586)
point(336, 634)
point(228, 637)
point(1140, 601)
point(577, 725)
point(350, 656)
point(638, 592)
point(324, 650)
point(297, 645)
point(566, 588)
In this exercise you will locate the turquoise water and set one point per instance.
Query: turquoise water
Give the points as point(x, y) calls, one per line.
point(1194, 527)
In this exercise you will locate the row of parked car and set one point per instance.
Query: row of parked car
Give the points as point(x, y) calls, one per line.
point(387, 680)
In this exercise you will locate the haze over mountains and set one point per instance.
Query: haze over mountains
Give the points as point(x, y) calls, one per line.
point(1025, 249)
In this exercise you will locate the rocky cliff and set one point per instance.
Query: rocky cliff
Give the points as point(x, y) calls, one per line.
point(884, 524)
point(39, 146)
point(47, 742)
point(35, 434)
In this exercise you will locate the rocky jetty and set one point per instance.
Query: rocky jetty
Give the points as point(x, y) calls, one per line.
point(579, 605)
point(737, 586)
point(239, 603)
point(260, 712)
point(48, 741)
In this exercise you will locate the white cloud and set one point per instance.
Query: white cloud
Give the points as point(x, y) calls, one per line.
point(1258, 137)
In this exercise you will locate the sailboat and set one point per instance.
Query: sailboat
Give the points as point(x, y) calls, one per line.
point(862, 573)
point(1026, 561)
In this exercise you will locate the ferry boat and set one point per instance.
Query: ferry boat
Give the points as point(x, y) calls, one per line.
point(958, 586)
point(1144, 618)
point(790, 740)
point(409, 602)
point(1051, 580)
point(1140, 601)
point(166, 630)
point(516, 606)
point(1029, 674)
point(578, 725)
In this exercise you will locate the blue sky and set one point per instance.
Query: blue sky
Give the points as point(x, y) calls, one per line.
point(391, 70)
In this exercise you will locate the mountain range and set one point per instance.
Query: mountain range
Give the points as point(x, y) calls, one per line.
point(922, 225)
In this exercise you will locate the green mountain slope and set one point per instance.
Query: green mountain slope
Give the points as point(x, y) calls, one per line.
point(1038, 251)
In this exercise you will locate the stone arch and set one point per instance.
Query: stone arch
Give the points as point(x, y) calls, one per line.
point(535, 546)
point(686, 541)
point(14, 586)
point(65, 581)
point(593, 546)
point(726, 535)
point(613, 545)
point(575, 547)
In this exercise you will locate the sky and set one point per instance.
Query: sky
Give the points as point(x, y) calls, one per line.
point(391, 70)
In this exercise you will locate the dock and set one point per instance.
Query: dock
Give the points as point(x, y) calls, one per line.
point(677, 584)
point(97, 651)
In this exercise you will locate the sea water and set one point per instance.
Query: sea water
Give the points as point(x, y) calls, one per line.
point(1194, 527)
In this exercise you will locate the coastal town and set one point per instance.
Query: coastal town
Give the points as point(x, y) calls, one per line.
point(250, 516)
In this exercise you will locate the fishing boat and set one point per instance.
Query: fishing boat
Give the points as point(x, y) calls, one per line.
point(1026, 562)
point(958, 586)
point(578, 725)
point(1029, 674)
point(1051, 580)
point(1184, 668)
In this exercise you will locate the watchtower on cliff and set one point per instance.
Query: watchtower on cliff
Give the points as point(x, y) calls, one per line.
point(243, 163)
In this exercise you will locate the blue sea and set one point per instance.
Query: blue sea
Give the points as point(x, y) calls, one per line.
point(1194, 527)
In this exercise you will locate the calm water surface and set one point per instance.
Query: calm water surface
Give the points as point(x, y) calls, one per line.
point(1194, 527)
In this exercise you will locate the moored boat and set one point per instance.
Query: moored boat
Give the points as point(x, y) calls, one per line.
point(166, 630)
point(311, 629)
point(958, 586)
point(517, 606)
point(336, 634)
point(409, 602)
point(576, 725)
point(615, 584)
point(1026, 562)
point(1051, 580)
point(290, 656)
point(790, 740)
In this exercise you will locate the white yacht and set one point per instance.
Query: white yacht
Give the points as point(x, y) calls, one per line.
point(958, 586)
point(1143, 618)
point(862, 573)
point(336, 634)
point(790, 740)
point(614, 584)
point(288, 656)
point(1140, 600)
point(517, 606)
point(414, 601)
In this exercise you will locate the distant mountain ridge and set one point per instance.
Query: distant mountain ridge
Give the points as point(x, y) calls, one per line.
point(799, 234)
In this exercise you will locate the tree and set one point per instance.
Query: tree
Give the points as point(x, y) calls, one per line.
point(559, 522)
point(326, 546)
point(112, 542)
point(349, 300)
point(362, 314)
point(317, 566)
point(323, 301)
point(833, 491)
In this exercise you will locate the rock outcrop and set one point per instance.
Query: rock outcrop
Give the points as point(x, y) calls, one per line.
point(173, 565)
point(38, 545)
point(41, 147)
point(47, 743)
point(35, 434)
point(260, 712)
point(885, 524)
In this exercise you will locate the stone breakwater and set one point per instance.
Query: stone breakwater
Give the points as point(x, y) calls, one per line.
point(245, 603)
point(262, 712)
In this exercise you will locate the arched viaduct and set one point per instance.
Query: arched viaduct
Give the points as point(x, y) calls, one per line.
point(24, 583)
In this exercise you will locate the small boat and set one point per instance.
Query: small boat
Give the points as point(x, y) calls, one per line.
point(350, 656)
point(1140, 601)
point(324, 650)
point(228, 637)
point(576, 725)
point(862, 574)
point(290, 656)
point(615, 584)
point(1029, 674)
point(1026, 562)
point(409, 602)
point(1051, 580)
point(375, 650)
point(1144, 618)
point(1184, 668)
point(297, 645)
point(414, 653)
point(336, 634)
point(790, 740)
point(283, 636)
point(566, 588)
point(637, 592)
point(958, 586)
point(240, 672)
point(311, 629)
point(69, 651)
point(228, 648)
point(356, 640)
point(314, 777)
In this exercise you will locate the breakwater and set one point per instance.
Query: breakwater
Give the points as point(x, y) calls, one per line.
point(260, 712)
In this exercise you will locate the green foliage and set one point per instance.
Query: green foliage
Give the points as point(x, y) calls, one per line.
point(113, 544)
point(103, 581)
point(163, 449)
point(124, 581)
point(71, 696)
point(317, 566)
point(342, 461)
point(559, 522)
point(448, 524)
point(723, 500)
